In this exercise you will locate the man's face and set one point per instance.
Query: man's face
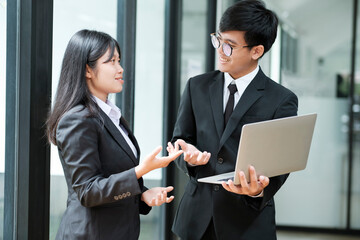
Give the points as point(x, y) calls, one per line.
point(242, 60)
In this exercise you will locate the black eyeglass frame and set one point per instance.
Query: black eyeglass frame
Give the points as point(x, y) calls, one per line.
point(215, 37)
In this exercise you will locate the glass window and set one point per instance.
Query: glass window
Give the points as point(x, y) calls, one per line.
point(312, 59)
point(148, 112)
point(70, 17)
point(194, 39)
point(2, 108)
point(193, 53)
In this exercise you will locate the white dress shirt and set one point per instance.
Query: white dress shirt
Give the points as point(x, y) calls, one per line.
point(114, 113)
point(241, 84)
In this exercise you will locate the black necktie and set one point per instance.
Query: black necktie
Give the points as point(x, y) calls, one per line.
point(230, 104)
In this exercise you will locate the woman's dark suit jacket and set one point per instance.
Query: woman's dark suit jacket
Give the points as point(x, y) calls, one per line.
point(103, 191)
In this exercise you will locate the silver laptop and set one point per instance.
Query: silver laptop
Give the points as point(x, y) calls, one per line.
point(273, 147)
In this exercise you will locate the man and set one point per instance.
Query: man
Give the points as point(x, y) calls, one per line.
point(210, 140)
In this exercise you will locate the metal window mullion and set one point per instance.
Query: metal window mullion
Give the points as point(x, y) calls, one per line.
point(210, 27)
point(126, 36)
point(27, 178)
point(351, 115)
point(172, 65)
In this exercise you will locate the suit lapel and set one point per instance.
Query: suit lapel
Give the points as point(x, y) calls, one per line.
point(216, 101)
point(131, 135)
point(115, 133)
point(252, 93)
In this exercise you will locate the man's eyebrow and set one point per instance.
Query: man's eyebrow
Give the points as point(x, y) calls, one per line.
point(228, 40)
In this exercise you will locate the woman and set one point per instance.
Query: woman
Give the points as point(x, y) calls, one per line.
point(98, 152)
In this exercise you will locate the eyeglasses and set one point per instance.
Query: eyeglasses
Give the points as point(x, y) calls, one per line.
point(227, 49)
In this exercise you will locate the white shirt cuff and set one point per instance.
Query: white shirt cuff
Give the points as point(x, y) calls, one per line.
point(259, 195)
point(191, 165)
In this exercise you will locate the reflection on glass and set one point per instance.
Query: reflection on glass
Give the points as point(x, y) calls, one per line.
point(312, 58)
point(355, 191)
point(70, 17)
point(193, 47)
point(194, 39)
point(148, 112)
point(2, 108)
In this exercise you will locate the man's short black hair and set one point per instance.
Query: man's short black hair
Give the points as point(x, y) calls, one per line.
point(252, 17)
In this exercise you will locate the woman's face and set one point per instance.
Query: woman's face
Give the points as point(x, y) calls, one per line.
point(106, 77)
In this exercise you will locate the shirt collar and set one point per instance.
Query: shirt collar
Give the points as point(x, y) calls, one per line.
point(245, 79)
point(108, 108)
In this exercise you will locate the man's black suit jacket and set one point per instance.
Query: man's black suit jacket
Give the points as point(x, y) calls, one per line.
point(200, 122)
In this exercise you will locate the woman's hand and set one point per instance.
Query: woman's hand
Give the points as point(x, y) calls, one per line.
point(171, 149)
point(157, 196)
point(152, 162)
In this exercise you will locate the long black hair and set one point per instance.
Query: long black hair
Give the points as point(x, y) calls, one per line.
point(83, 49)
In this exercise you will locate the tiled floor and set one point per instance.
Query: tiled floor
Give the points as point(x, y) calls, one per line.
point(285, 235)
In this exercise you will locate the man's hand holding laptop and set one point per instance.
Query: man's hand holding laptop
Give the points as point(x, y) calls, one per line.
point(254, 188)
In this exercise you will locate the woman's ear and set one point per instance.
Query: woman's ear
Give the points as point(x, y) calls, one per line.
point(89, 72)
point(257, 52)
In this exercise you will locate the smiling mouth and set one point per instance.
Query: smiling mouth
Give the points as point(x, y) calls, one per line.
point(224, 59)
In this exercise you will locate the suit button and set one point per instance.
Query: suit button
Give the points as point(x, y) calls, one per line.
point(128, 194)
point(216, 188)
point(120, 197)
point(116, 198)
point(123, 195)
point(220, 160)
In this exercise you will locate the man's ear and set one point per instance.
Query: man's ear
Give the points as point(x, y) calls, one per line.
point(89, 72)
point(257, 52)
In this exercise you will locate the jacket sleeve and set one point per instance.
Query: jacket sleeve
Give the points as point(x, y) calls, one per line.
point(77, 140)
point(288, 107)
point(144, 209)
point(185, 128)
